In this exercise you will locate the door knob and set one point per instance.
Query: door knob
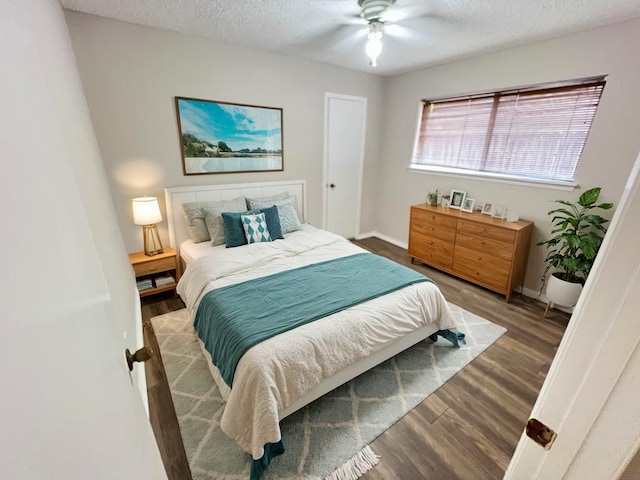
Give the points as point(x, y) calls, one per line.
point(141, 355)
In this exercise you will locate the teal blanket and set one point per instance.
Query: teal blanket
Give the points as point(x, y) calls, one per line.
point(230, 320)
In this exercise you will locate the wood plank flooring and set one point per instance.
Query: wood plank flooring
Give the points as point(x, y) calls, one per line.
point(467, 429)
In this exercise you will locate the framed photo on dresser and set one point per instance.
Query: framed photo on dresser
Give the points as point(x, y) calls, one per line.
point(467, 205)
point(457, 198)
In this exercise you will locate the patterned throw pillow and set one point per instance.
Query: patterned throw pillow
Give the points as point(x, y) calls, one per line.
point(255, 228)
point(266, 199)
point(287, 213)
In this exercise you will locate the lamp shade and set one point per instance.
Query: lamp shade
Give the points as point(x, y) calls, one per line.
point(146, 211)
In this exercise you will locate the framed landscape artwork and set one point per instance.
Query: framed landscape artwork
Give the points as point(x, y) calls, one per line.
point(221, 137)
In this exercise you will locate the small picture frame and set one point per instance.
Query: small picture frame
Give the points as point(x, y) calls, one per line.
point(467, 205)
point(457, 198)
point(487, 208)
point(498, 211)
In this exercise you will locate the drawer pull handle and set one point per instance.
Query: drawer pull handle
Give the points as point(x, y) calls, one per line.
point(152, 268)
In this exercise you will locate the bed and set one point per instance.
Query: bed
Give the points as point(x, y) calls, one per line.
point(283, 373)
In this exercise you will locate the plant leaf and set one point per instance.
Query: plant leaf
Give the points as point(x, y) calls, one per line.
point(590, 197)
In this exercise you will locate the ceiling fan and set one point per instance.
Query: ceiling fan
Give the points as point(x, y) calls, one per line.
point(372, 12)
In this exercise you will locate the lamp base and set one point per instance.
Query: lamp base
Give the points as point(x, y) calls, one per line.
point(152, 243)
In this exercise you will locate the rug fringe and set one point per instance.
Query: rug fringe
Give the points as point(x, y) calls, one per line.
point(356, 466)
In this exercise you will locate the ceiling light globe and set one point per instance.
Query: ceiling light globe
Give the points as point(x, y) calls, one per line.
point(373, 50)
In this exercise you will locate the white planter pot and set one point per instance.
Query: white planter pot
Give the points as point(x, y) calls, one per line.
point(563, 293)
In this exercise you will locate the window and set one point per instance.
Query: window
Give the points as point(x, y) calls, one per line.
point(534, 133)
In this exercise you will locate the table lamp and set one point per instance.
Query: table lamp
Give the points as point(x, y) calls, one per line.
point(146, 212)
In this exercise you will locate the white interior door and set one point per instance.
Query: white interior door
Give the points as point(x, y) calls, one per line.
point(345, 130)
point(70, 408)
point(591, 394)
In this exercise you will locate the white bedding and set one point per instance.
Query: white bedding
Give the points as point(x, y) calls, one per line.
point(273, 374)
point(190, 251)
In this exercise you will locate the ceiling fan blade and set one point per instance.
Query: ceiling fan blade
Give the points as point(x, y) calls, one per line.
point(327, 40)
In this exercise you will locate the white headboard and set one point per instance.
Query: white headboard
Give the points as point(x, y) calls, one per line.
point(176, 196)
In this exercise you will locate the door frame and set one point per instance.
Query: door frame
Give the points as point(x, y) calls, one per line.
point(328, 96)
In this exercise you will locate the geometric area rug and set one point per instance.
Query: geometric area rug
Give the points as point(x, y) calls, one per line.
point(326, 433)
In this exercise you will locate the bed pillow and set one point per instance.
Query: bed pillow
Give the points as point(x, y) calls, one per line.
point(233, 229)
point(255, 228)
point(286, 212)
point(196, 226)
point(194, 215)
point(273, 222)
point(268, 198)
point(213, 217)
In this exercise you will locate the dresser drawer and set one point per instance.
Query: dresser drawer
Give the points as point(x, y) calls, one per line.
point(433, 251)
point(488, 270)
point(433, 225)
point(154, 266)
point(485, 245)
point(488, 231)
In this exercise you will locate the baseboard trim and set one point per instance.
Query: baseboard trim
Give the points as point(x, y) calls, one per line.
point(384, 237)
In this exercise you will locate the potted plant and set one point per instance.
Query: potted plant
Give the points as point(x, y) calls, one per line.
point(577, 236)
point(432, 198)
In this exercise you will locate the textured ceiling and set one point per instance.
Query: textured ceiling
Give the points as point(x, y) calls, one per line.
point(418, 33)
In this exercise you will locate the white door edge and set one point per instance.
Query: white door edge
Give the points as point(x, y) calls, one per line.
point(591, 362)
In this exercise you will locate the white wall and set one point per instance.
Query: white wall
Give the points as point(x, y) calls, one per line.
point(131, 75)
point(611, 149)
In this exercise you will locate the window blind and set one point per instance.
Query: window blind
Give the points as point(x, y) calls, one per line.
point(533, 133)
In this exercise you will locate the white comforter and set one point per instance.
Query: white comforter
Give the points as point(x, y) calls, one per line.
point(275, 373)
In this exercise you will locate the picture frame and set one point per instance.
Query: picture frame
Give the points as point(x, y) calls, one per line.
point(498, 211)
point(221, 137)
point(487, 208)
point(467, 205)
point(457, 198)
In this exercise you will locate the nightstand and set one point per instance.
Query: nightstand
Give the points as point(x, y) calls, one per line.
point(155, 269)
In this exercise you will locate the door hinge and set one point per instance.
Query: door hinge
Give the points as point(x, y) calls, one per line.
point(540, 433)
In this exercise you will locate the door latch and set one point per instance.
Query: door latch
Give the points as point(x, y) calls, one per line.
point(540, 433)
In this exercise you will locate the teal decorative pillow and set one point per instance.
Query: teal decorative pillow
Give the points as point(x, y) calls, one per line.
point(233, 230)
point(273, 222)
point(286, 212)
point(255, 228)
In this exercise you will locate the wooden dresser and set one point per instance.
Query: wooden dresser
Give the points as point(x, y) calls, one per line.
point(487, 251)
